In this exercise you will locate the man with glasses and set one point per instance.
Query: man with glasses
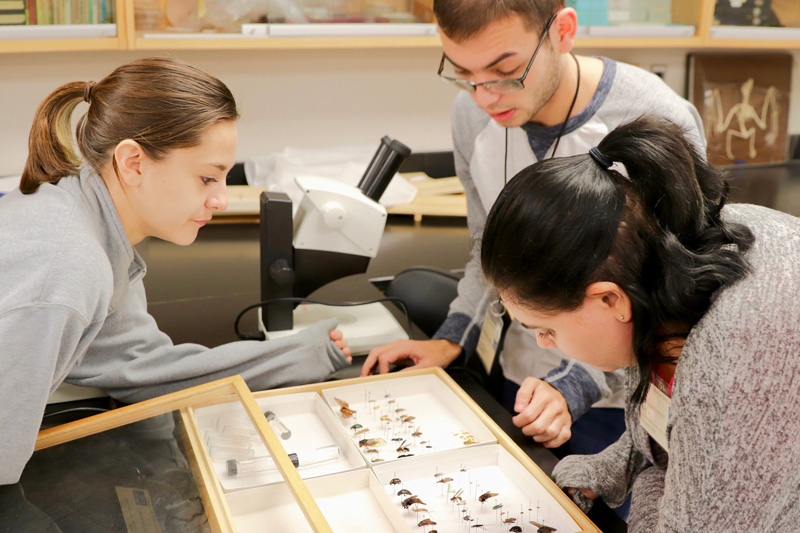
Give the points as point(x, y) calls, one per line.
point(527, 97)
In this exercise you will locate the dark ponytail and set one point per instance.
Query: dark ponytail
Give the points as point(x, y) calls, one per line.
point(656, 232)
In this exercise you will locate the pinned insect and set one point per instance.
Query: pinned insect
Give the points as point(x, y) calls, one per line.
point(509, 520)
point(405, 455)
point(395, 481)
point(426, 522)
point(347, 412)
point(543, 528)
point(386, 418)
point(498, 506)
point(372, 443)
point(419, 510)
point(361, 431)
point(404, 492)
point(486, 495)
point(402, 448)
point(341, 402)
point(417, 433)
point(437, 475)
point(408, 502)
point(457, 496)
point(356, 427)
point(515, 529)
point(405, 419)
point(445, 480)
point(401, 410)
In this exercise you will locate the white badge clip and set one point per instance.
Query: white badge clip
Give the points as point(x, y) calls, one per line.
point(490, 334)
point(656, 412)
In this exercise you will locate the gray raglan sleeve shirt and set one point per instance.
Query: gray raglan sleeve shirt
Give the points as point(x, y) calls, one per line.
point(133, 360)
point(580, 385)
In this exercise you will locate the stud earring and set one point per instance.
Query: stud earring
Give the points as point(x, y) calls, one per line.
point(622, 317)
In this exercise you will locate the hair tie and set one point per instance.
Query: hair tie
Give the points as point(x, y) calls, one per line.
point(600, 158)
point(87, 92)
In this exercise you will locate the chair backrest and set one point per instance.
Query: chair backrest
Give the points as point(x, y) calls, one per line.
point(427, 292)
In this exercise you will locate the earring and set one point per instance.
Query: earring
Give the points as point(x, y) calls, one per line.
point(622, 317)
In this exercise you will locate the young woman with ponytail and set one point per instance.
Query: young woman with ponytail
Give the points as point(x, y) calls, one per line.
point(627, 257)
point(155, 146)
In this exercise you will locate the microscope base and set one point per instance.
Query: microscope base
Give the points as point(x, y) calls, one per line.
point(364, 326)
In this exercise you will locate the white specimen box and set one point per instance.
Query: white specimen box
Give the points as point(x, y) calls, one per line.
point(474, 471)
point(353, 501)
point(443, 419)
point(312, 426)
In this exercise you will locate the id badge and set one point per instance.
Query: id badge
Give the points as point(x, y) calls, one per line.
point(491, 332)
point(655, 414)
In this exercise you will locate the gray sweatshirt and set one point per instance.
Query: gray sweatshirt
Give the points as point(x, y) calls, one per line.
point(73, 308)
point(624, 93)
point(734, 452)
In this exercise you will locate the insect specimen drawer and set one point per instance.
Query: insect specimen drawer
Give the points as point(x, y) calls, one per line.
point(399, 452)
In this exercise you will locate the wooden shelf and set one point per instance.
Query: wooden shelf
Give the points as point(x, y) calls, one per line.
point(129, 39)
point(638, 42)
point(283, 43)
point(60, 45)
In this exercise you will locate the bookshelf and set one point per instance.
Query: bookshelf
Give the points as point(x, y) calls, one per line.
point(67, 37)
point(129, 37)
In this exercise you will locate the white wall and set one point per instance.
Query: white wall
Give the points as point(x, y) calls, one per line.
point(295, 98)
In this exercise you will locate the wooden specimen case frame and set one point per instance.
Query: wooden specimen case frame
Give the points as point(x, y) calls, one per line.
point(234, 389)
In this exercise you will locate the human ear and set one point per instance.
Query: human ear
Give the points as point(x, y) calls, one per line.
point(566, 24)
point(610, 297)
point(129, 156)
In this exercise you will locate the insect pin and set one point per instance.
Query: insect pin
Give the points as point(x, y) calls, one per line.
point(486, 495)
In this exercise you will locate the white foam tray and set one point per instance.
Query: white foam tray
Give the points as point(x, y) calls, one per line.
point(441, 416)
point(486, 469)
point(353, 502)
point(312, 426)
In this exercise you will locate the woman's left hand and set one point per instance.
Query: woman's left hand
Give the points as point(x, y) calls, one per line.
point(338, 340)
point(589, 493)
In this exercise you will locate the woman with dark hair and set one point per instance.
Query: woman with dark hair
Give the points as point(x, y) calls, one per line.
point(156, 144)
point(627, 257)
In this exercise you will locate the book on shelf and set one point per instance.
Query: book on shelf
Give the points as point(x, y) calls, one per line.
point(12, 12)
point(56, 12)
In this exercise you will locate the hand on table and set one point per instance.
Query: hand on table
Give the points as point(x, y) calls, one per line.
point(543, 413)
point(411, 354)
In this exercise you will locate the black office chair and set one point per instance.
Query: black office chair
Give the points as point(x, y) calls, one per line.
point(427, 293)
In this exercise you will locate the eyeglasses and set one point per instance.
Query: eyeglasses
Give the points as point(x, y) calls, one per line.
point(497, 86)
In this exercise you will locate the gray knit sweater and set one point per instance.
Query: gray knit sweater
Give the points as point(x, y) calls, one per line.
point(73, 307)
point(734, 461)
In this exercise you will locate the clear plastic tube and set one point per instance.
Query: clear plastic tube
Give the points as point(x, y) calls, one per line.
point(242, 467)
